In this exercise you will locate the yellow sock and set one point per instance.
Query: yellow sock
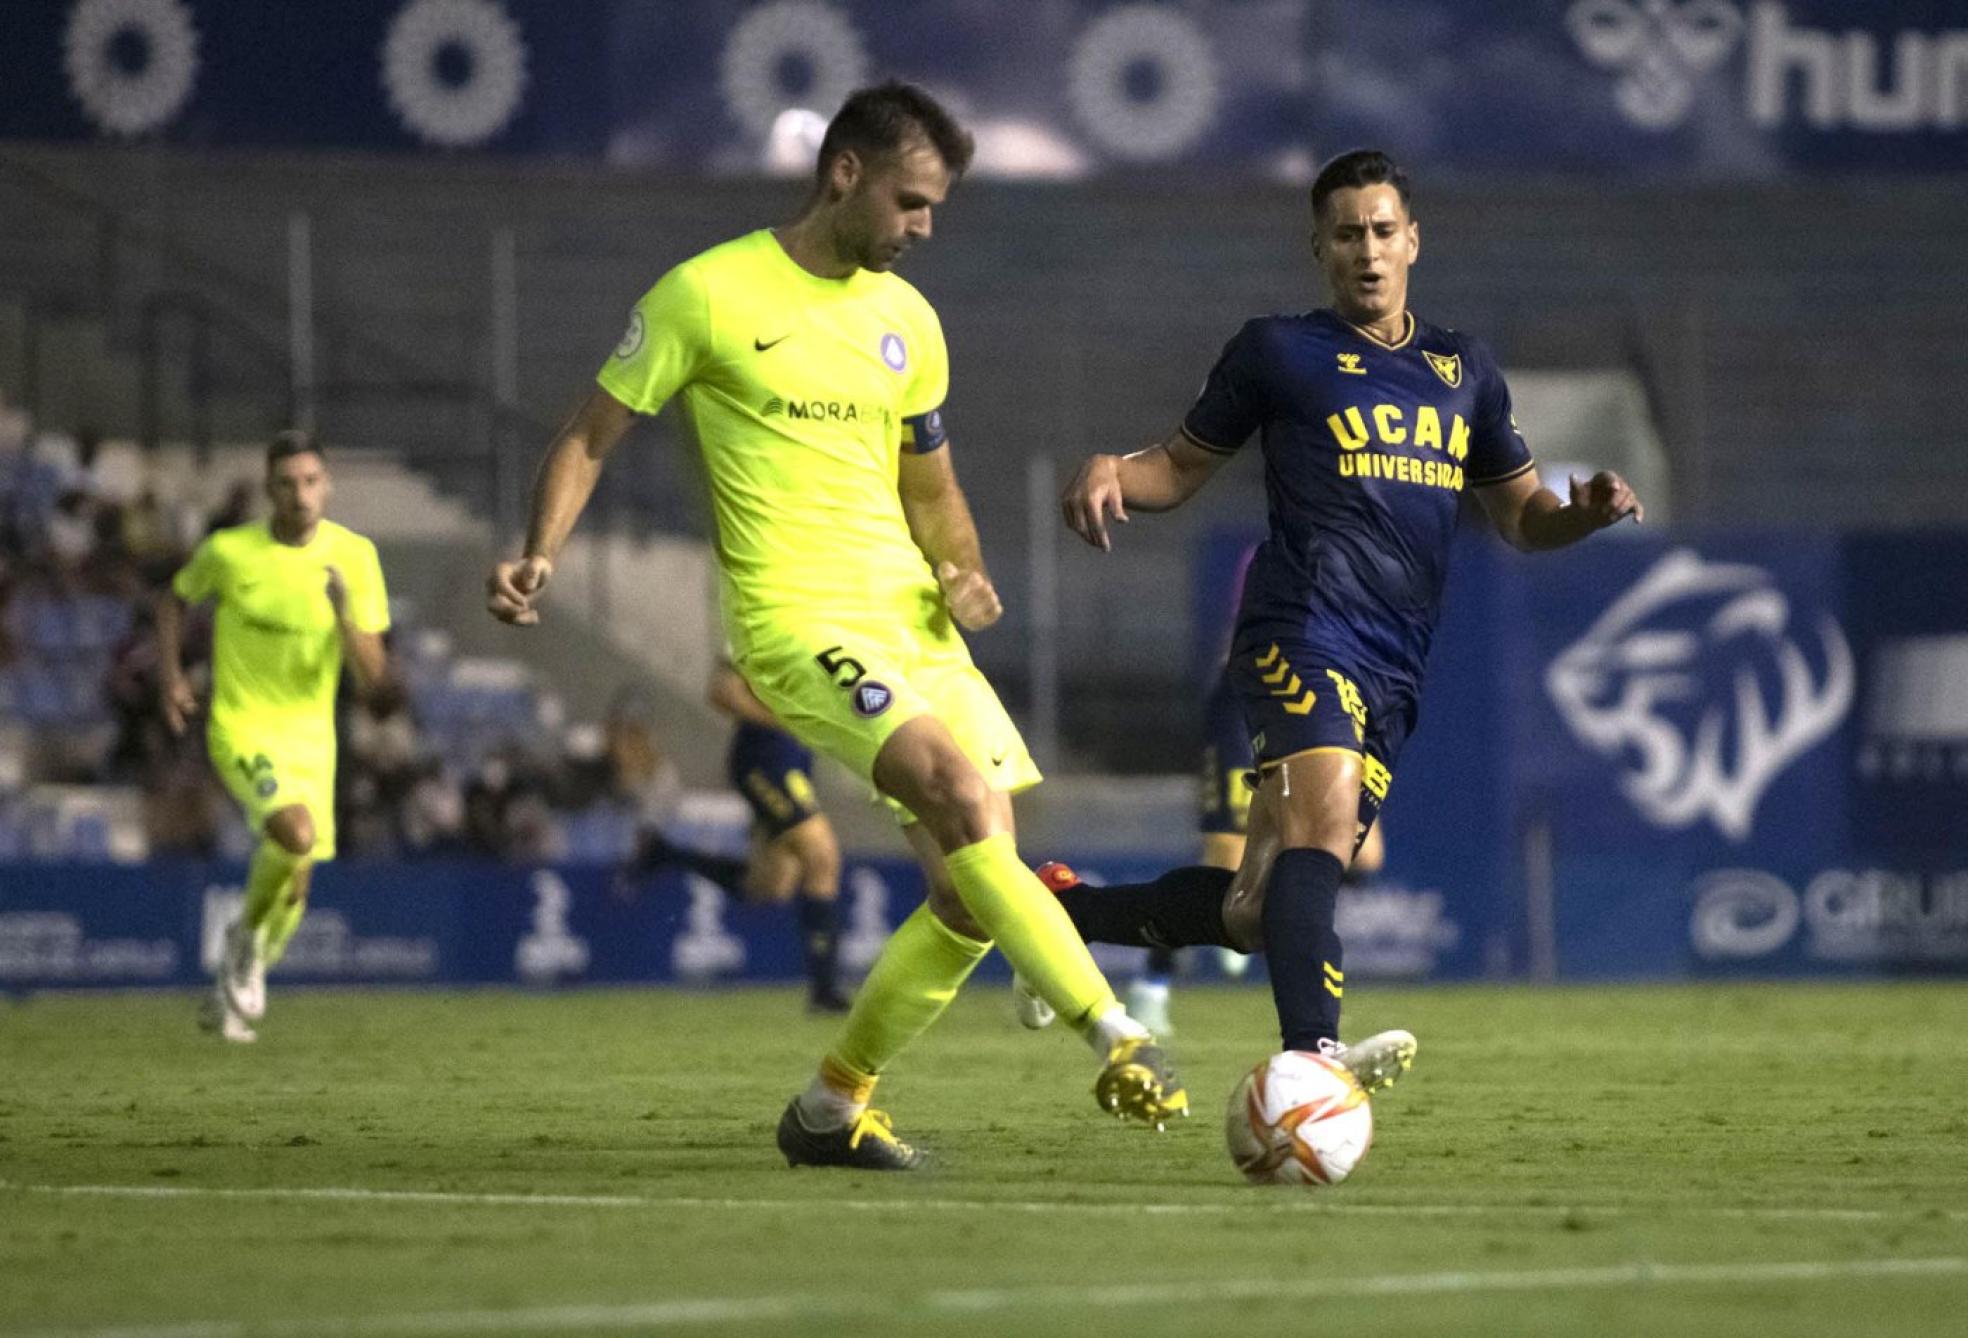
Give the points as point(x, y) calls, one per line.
point(1031, 929)
point(280, 927)
point(919, 971)
point(272, 912)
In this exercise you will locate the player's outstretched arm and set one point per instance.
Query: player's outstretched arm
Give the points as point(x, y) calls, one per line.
point(1160, 478)
point(941, 524)
point(1530, 517)
point(175, 697)
point(560, 491)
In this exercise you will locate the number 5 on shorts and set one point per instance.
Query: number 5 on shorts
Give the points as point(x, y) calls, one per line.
point(837, 665)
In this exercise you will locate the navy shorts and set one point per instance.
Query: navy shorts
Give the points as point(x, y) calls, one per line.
point(1225, 798)
point(1300, 698)
point(774, 771)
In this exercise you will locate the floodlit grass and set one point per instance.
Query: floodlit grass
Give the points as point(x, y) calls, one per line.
point(1603, 1161)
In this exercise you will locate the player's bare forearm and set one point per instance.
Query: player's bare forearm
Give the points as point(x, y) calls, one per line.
point(169, 616)
point(938, 513)
point(1160, 478)
point(1531, 519)
point(175, 699)
point(1165, 475)
point(732, 695)
point(561, 490)
point(940, 522)
point(365, 657)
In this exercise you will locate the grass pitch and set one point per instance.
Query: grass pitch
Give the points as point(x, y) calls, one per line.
point(1758, 1159)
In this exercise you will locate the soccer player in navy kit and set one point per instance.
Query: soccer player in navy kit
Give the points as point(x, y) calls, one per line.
point(1372, 423)
point(795, 856)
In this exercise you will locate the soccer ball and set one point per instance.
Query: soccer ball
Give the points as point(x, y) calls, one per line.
point(1298, 1118)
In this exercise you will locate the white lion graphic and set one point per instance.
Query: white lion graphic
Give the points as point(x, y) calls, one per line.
point(1645, 686)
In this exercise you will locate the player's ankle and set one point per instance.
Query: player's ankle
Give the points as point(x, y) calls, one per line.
point(1111, 1028)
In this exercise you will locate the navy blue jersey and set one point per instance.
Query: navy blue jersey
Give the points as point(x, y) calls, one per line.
point(1367, 448)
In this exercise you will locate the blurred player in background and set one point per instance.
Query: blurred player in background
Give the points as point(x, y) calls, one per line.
point(813, 380)
point(297, 596)
point(795, 855)
point(1373, 423)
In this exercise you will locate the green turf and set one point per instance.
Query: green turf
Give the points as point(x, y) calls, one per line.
point(1541, 1130)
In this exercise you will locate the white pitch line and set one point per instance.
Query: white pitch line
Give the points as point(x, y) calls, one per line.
point(1257, 1202)
point(716, 1310)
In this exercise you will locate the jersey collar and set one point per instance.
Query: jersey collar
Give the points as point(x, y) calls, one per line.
point(1407, 332)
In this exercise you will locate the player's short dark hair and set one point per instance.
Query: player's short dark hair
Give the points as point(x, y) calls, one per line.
point(878, 120)
point(1355, 168)
point(290, 443)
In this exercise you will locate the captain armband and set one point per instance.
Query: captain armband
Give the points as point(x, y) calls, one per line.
point(924, 433)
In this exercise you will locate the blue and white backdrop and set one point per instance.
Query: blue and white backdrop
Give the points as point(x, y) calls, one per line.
point(1717, 88)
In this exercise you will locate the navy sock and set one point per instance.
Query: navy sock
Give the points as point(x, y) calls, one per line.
point(1181, 909)
point(657, 853)
point(1302, 947)
point(819, 923)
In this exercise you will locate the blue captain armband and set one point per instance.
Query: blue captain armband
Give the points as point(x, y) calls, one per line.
point(923, 433)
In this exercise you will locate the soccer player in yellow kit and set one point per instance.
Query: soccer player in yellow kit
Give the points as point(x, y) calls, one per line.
point(297, 596)
point(812, 379)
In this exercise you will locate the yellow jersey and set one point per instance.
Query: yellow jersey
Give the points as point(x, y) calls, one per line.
point(801, 392)
point(276, 652)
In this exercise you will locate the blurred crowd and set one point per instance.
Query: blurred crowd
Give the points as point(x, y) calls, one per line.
point(453, 757)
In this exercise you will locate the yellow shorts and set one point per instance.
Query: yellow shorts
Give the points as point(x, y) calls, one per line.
point(269, 771)
point(842, 686)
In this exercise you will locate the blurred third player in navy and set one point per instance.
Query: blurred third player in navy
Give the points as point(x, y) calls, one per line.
point(1373, 423)
point(794, 853)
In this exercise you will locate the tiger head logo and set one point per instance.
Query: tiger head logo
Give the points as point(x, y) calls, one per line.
point(1696, 684)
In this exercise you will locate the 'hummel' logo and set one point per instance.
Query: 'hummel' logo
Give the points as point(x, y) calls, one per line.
point(763, 344)
point(1350, 362)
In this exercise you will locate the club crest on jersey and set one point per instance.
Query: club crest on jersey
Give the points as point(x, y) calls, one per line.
point(1350, 362)
point(1448, 367)
point(871, 699)
point(894, 352)
point(631, 337)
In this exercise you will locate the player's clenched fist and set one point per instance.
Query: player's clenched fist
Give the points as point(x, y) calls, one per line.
point(972, 599)
point(1606, 499)
point(513, 586)
point(1093, 496)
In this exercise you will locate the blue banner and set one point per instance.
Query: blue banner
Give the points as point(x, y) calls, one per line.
point(70, 926)
point(1649, 756)
point(1699, 755)
point(1720, 88)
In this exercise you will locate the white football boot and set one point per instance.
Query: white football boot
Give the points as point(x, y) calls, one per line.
point(1034, 1013)
point(1232, 963)
point(218, 1017)
point(242, 973)
point(1377, 1061)
point(1148, 1003)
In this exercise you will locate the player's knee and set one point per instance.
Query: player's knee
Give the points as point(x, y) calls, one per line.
point(959, 803)
point(1325, 827)
point(292, 829)
point(820, 860)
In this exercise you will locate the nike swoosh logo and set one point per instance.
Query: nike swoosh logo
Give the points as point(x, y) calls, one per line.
point(763, 344)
